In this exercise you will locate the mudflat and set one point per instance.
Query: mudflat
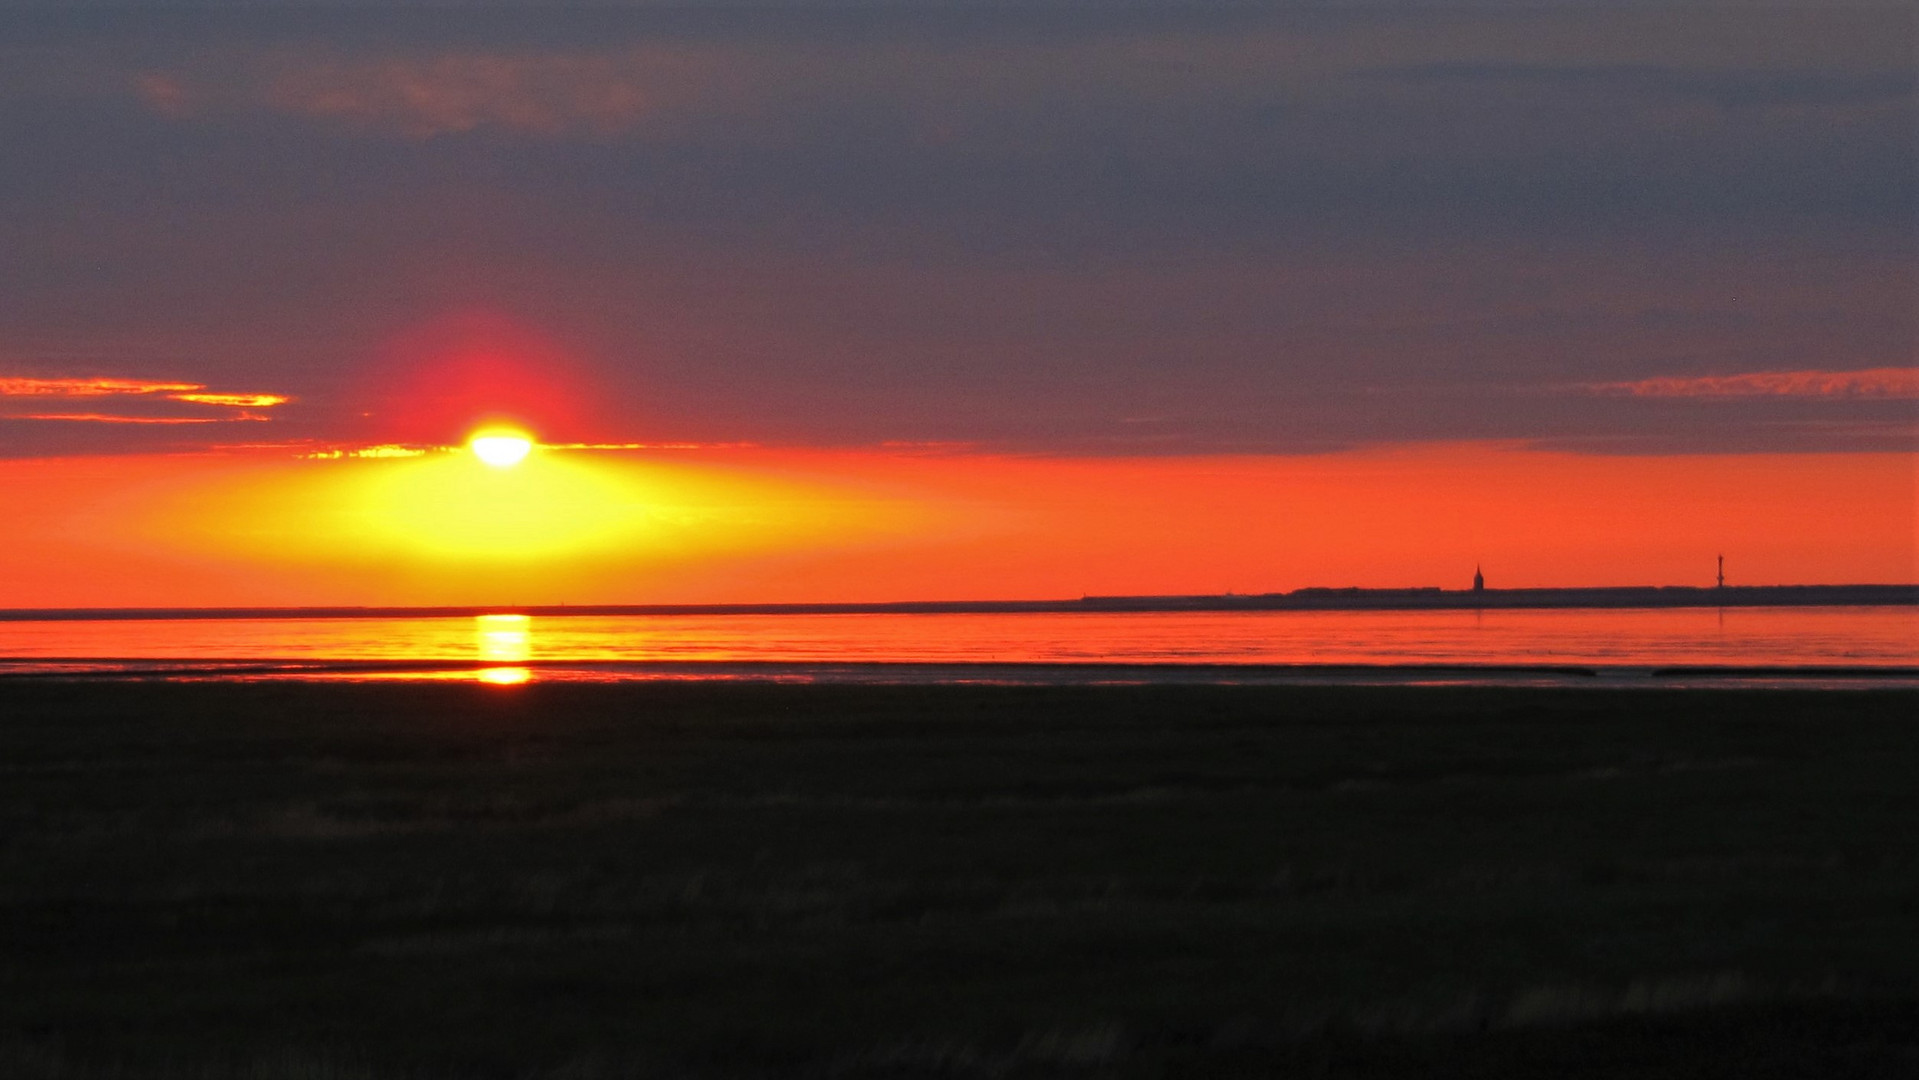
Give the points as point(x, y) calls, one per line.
point(736, 879)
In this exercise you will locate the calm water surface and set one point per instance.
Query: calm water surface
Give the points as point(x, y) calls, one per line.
point(649, 646)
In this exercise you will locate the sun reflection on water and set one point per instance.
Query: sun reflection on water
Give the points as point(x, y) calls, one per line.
point(504, 639)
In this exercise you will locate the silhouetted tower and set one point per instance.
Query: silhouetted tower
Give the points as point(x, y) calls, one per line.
point(1479, 580)
point(1722, 571)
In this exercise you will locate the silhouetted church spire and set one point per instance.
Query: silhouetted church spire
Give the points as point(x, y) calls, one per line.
point(1479, 580)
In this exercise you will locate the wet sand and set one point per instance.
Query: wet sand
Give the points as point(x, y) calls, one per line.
point(442, 880)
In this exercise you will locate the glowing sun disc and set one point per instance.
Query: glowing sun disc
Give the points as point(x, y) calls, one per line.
point(502, 451)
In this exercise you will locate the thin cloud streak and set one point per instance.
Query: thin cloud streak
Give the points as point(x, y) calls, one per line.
point(1883, 383)
point(238, 401)
point(135, 392)
point(652, 446)
point(108, 418)
point(191, 393)
point(384, 450)
point(88, 387)
point(137, 388)
point(1750, 88)
point(543, 95)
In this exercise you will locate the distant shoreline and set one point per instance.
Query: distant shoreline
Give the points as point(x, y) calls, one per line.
point(1315, 599)
point(935, 673)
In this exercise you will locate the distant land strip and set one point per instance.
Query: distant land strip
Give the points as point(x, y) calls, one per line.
point(1317, 599)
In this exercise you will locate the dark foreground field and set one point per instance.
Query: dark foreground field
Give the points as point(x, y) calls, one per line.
point(298, 881)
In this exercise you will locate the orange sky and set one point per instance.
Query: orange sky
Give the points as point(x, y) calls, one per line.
point(742, 525)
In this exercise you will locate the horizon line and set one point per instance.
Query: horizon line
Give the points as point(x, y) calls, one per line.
point(1310, 598)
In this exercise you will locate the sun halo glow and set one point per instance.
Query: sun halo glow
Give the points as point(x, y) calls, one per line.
point(500, 449)
point(449, 528)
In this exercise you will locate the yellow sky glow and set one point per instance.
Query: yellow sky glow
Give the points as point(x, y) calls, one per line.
point(745, 525)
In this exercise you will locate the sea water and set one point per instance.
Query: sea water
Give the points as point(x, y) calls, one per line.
point(1025, 646)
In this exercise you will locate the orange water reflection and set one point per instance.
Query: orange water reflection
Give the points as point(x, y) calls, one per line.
point(1848, 636)
point(502, 638)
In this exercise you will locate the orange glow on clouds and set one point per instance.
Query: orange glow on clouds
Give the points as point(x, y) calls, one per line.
point(384, 450)
point(20, 387)
point(108, 418)
point(238, 401)
point(1898, 383)
point(765, 525)
point(147, 389)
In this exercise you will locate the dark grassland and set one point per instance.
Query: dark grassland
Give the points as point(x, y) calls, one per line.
point(323, 881)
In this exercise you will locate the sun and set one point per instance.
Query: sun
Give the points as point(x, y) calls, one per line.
point(500, 449)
